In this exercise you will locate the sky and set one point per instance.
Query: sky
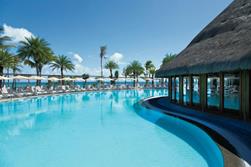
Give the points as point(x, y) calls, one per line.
point(131, 29)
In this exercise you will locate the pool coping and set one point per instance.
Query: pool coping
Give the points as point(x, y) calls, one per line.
point(230, 158)
point(67, 93)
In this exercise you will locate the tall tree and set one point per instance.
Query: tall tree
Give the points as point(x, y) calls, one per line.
point(36, 53)
point(126, 72)
point(168, 58)
point(148, 65)
point(62, 63)
point(5, 62)
point(16, 67)
point(111, 65)
point(116, 76)
point(102, 56)
point(4, 39)
point(136, 70)
point(152, 71)
point(85, 77)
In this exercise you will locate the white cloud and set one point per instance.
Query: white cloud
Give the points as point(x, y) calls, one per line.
point(80, 68)
point(77, 58)
point(117, 57)
point(93, 71)
point(16, 34)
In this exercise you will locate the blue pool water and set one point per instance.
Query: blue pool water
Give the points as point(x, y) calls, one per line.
point(99, 129)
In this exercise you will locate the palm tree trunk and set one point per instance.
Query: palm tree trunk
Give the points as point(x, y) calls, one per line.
point(137, 80)
point(1, 73)
point(101, 66)
point(37, 71)
point(111, 76)
point(85, 83)
point(14, 81)
point(8, 71)
point(134, 81)
point(152, 81)
point(62, 75)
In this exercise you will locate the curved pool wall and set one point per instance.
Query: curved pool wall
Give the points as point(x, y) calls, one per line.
point(72, 129)
point(188, 132)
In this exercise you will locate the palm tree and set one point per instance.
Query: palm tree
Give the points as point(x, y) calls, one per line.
point(152, 71)
point(136, 70)
point(148, 65)
point(16, 67)
point(116, 75)
point(85, 77)
point(126, 72)
point(63, 63)
point(5, 62)
point(102, 55)
point(111, 65)
point(3, 39)
point(168, 58)
point(36, 53)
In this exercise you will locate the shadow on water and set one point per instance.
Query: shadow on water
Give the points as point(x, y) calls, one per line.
point(189, 133)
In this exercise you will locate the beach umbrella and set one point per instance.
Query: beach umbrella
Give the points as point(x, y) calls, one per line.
point(120, 79)
point(67, 79)
point(91, 79)
point(53, 79)
point(78, 79)
point(132, 79)
point(109, 79)
point(4, 78)
point(147, 79)
point(19, 77)
point(141, 80)
point(36, 78)
point(99, 79)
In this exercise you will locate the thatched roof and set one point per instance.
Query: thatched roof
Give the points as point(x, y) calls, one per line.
point(224, 45)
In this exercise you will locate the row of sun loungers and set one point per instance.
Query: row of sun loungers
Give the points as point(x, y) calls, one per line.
point(40, 90)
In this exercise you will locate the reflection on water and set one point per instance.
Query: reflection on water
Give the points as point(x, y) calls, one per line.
point(21, 115)
point(89, 129)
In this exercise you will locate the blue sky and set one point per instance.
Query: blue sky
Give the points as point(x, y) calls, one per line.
point(131, 29)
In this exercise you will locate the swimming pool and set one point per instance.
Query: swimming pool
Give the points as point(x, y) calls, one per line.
point(95, 129)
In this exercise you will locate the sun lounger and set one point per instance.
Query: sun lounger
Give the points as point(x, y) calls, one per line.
point(40, 91)
point(6, 93)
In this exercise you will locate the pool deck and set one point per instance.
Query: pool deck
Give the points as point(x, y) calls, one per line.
point(66, 93)
point(233, 136)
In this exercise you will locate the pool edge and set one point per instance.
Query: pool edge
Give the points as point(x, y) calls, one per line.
point(229, 158)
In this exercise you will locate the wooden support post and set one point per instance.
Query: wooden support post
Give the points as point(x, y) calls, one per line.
point(180, 89)
point(203, 91)
point(249, 95)
point(190, 90)
point(221, 92)
point(174, 87)
point(245, 94)
point(170, 87)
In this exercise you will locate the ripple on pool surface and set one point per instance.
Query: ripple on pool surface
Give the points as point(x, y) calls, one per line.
point(90, 129)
